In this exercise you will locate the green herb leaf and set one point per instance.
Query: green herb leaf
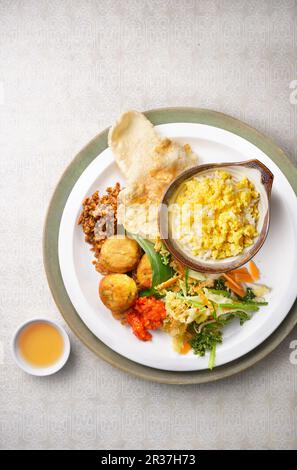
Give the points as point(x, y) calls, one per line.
point(211, 334)
point(228, 316)
point(224, 293)
point(207, 339)
point(249, 295)
point(219, 284)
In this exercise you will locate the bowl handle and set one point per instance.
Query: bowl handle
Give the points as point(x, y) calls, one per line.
point(266, 174)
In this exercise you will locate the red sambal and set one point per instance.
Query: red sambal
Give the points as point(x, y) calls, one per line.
point(147, 313)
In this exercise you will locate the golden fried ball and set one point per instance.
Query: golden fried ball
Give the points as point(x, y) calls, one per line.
point(144, 273)
point(119, 255)
point(117, 292)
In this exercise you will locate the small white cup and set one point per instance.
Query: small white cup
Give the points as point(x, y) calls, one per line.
point(35, 370)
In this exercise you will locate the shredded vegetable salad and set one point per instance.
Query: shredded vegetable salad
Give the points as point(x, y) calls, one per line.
point(199, 306)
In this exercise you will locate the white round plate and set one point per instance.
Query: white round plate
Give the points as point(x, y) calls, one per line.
point(277, 259)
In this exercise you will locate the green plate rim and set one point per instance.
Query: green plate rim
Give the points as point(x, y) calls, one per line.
point(52, 268)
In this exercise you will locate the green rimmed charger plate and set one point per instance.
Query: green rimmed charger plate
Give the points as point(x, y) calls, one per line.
point(51, 261)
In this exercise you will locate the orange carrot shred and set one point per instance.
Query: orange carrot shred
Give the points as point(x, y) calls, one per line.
point(239, 271)
point(186, 348)
point(235, 286)
point(168, 283)
point(239, 291)
point(232, 277)
point(254, 270)
point(243, 277)
point(229, 278)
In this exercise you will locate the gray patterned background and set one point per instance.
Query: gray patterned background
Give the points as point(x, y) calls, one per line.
point(68, 68)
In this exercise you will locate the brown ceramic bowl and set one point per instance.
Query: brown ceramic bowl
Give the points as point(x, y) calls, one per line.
point(258, 174)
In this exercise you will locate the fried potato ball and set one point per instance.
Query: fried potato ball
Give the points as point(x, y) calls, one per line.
point(119, 255)
point(117, 292)
point(144, 273)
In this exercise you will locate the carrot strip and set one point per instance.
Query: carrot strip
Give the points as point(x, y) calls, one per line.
point(232, 276)
point(243, 277)
point(186, 348)
point(238, 271)
point(229, 278)
point(239, 291)
point(233, 285)
point(254, 270)
point(168, 283)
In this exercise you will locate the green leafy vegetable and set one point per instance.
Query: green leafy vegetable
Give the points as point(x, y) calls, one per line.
point(207, 339)
point(161, 272)
point(211, 334)
point(219, 284)
point(231, 314)
point(224, 293)
point(249, 294)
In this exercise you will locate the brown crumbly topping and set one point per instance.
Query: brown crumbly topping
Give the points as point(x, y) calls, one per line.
point(96, 211)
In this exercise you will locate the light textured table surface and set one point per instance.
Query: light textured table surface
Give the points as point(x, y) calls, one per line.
point(67, 70)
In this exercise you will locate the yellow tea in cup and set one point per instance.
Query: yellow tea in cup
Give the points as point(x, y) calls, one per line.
point(40, 344)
